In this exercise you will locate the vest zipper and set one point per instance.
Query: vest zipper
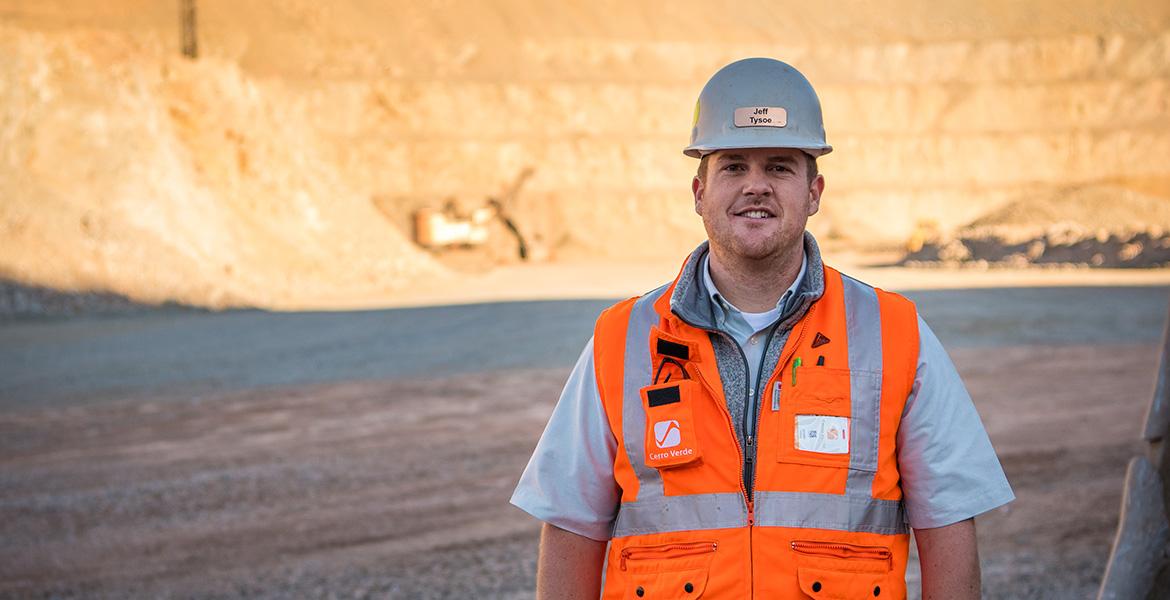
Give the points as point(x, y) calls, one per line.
point(751, 515)
point(667, 551)
point(839, 550)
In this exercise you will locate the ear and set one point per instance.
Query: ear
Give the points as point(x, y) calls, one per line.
point(697, 191)
point(815, 188)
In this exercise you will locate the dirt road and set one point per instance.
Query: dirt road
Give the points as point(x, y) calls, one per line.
point(352, 484)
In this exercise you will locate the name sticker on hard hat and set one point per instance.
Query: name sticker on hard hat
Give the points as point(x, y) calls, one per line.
point(761, 116)
point(821, 433)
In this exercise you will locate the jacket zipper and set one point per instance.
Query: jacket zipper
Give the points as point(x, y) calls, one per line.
point(837, 550)
point(750, 476)
point(747, 454)
point(751, 417)
point(667, 551)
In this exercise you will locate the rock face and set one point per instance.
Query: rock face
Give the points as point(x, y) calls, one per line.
point(273, 170)
point(128, 170)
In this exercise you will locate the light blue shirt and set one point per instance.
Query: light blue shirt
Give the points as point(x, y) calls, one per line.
point(750, 330)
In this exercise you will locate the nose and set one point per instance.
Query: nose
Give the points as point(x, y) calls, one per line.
point(757, 184)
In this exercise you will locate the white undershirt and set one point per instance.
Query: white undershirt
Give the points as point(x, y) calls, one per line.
point(760, 320)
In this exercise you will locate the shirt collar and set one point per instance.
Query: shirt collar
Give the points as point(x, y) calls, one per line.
point(723, 307)
point(689, 302)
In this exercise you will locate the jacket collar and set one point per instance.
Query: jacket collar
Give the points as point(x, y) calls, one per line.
point(690, 302)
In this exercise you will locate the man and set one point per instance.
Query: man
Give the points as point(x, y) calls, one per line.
point(763, 426)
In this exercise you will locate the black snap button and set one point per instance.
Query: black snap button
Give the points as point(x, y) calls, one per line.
point(689, 587)
point(640, 592)
point(816, 586)
point(877, 590)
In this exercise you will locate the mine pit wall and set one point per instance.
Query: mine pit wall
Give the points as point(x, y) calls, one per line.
point(943, 132)
point(127, 170)
point(263, 173)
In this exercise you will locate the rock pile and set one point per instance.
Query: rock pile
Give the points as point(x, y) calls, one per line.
point(21, 302)
point(1058, 247)
point(1095, 227)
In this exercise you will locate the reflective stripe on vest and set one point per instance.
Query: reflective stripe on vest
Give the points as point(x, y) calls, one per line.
point(855, 510)
point(655, 512)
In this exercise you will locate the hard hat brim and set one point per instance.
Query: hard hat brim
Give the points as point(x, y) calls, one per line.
point(699, 151)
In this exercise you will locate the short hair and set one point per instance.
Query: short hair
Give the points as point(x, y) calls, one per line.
point(810, 160)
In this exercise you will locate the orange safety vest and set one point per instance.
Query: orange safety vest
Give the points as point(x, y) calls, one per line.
point(822, 521)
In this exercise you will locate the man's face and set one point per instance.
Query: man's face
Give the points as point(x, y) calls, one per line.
point(755, 202)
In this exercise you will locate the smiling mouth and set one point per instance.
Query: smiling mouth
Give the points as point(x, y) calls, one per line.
point(755, 213)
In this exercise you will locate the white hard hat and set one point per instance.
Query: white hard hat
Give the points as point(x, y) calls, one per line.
point(757, 103)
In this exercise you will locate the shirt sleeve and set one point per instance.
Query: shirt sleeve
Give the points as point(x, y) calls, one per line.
point(569, 479)
point(949, 470)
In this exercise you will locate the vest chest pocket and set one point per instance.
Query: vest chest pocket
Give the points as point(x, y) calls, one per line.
point(821, 423)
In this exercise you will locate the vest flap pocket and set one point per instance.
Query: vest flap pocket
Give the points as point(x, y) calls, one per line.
point(817, 390)
point(672, 571)
point(828, 569)
point(843, 585)
point(671, 585)
point(671, 439)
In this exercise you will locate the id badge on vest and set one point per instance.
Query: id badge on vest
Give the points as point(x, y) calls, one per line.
point(671, 440)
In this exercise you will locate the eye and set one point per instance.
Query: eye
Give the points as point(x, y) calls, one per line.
point(734, 167)
point(779, 167)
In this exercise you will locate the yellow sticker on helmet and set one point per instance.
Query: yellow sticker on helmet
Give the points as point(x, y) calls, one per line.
point(695, 121)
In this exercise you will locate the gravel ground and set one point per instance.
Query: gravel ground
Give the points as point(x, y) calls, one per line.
point(397, 488)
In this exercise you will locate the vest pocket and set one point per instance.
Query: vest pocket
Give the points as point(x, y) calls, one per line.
point(671, 440)
point(843, 571)
point(817, 423)
point(667, 571)
point(815, 420)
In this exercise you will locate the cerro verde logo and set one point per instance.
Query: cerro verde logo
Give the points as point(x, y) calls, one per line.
point(667, 434)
